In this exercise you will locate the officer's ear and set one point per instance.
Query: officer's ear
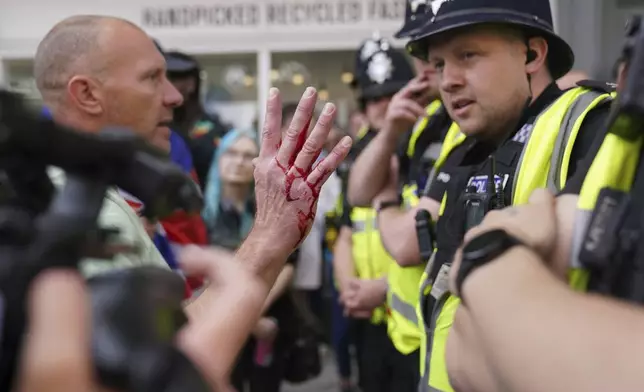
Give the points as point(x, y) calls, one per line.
point(536, 55)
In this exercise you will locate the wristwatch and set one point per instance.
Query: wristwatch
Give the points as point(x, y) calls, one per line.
point(481, 250)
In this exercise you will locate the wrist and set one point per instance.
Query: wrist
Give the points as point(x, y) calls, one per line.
point(500, 275)
point(261, 256)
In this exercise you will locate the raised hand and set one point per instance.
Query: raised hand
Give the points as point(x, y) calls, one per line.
point(287, 185)
point(408, 105)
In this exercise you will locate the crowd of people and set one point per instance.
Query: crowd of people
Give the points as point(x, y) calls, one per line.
point(475, 227)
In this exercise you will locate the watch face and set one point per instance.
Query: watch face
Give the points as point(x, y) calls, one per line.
point(485, 244)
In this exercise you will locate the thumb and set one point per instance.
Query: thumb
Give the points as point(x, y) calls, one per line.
point(57, 347)
point(542, 196)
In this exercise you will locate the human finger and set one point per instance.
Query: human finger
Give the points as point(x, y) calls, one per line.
point(403, 106)
point(416, 85)
point(57, 354)
point(271, 132)
point(329, 164)
point(295, 136)
point(315, 141)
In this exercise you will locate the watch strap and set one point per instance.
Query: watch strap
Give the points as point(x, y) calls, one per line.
point(501, 244)
point(388, 204)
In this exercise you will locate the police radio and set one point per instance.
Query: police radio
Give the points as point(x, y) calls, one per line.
point(425, 234)
point(136, 313)
point(476, 204)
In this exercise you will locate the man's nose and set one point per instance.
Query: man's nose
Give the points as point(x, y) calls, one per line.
point(172, 97)
point(451, 78)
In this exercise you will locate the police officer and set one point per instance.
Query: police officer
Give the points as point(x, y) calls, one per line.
point(497, 62)
point(361, 262)
point(592, 252)
point(418, 147)
point(605, 260)
point(413, 109)
point(202, 131)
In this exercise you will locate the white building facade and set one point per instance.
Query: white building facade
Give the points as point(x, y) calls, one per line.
point(245, 46)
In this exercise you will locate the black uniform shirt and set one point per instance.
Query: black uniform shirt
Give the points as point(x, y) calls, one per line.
point(585, 143)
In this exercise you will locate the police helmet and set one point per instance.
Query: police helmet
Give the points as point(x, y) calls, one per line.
point(415, 17)
point(532, 16)
point(177, 62)
point(381, 70)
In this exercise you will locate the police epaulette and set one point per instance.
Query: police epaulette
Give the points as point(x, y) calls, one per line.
point(598, 85)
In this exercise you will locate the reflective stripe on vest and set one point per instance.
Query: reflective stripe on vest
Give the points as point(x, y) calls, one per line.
point(554, 131)
point(402, 297)
point(614, 167)
point(420, 126)
point(370, 258)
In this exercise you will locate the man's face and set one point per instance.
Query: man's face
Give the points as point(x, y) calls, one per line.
point(236, 163)
point(428, 70)
point(375, 110)
point(482, 78)
point(137, 93)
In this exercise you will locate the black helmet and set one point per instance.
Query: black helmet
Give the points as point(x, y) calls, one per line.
point(415, 17)
point(381, 70)
point(367, 49)
point(533, 16)
point(178, 62)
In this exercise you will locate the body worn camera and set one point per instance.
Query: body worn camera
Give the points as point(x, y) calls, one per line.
point(135, 312)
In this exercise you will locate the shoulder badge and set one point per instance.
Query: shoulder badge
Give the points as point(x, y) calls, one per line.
point(597, 85)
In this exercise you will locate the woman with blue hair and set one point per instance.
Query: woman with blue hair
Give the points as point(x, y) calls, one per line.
point(229, 199)
point(228, 214)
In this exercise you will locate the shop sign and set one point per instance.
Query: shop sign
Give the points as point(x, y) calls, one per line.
point(274, 13)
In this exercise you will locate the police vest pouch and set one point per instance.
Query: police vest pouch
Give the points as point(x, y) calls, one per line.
point(601, 239)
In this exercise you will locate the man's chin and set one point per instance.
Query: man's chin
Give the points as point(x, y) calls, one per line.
point(162, 144)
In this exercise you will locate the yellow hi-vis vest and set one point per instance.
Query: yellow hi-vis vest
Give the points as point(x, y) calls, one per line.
point(402, 293)
point(543, 163)
point(613, 167)
point(370, 258)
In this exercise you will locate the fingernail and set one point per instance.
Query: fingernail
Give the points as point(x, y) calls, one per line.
point(272, 93)
point(309, 92)
point(346, 141)
point(328, 108)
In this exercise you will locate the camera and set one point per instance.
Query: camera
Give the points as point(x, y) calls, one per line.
point(135, 312)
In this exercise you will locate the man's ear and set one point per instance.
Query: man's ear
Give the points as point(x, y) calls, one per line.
point(86, 94)
point(536, 55)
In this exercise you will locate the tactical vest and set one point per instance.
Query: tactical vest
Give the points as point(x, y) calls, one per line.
point(402, 294)
point(537, 157)
point(614, 169)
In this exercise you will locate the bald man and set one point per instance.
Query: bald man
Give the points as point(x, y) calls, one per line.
point(95, 71)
